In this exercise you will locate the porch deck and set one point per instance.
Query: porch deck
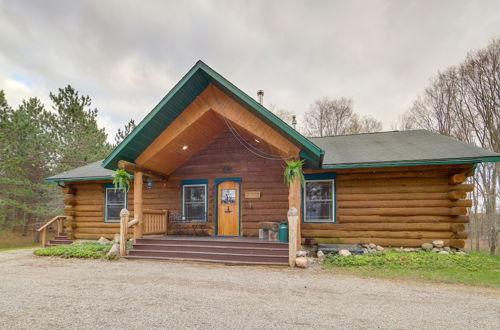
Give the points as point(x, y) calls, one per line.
point(230, 250)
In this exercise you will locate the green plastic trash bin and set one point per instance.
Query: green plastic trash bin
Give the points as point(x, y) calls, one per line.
point(283, 232)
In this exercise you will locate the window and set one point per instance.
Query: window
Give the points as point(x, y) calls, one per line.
point(194, 202)
point(115, 200)
point(319, 200)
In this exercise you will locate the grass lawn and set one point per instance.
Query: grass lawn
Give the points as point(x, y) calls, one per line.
point(15, 248)
point(12, 240)
point(83, 250)
point(472, 269)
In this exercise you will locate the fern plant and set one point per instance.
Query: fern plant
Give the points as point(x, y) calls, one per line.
point(121, 180)
point(293, 171)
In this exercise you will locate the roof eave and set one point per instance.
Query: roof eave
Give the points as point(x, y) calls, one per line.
point(79, 179)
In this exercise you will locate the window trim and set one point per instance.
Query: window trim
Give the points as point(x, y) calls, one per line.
point(321, 177)
point(110, 186)
point(194, 183)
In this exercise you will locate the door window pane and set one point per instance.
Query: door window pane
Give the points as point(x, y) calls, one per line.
point(228, 196)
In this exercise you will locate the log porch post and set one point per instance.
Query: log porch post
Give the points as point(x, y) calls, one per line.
point(138, 211)
point(294, 199)
point(293, 219)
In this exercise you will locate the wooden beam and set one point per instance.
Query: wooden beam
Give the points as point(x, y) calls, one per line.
point(138, 168)
point(294, 199)
point(138, 211)
point(457, 178)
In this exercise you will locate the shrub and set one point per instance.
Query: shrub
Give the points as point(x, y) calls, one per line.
point(82, 250)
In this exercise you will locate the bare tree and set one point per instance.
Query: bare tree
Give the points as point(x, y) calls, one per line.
point(464, 102)
point(328, 117)
point(367, 124)
point(285, 115)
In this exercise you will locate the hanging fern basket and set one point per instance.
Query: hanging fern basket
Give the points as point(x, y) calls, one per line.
point(121, 180)
point(293, 171)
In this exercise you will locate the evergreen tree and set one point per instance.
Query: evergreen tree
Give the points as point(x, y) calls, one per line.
point(122, 134)
point(29, 144)
point(81, 141)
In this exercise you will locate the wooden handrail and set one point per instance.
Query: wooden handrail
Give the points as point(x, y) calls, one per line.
point(43, 229)
point(48, 223)
point(151, 211)
point(154, 222)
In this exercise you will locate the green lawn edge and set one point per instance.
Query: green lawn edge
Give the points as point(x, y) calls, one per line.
point(475, 269)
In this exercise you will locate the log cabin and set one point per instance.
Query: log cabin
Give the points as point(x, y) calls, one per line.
point(207, 165)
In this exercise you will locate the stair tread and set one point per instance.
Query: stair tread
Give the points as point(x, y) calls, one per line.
point(212, 260)
point(211, 240)
point(213, 253)
point(215, 246)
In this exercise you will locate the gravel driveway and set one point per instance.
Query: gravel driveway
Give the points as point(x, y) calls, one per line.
point(53, 293)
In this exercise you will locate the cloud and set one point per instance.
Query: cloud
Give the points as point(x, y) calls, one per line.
point(127, 55)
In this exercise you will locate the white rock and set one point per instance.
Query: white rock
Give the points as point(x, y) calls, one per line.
point(115, 250)
point(301, 253)
point(372, 246)
point(444, 252)
point(427, 246)
point(320, 255)
point(438, 243)
point(462, 253)
point(435, 250)
point(406, 250)
point(116, 239)
point(447, 248)
point(344, 253)
point(301, 262)
point(103, 240)
point(365, 250)
point(379, 248)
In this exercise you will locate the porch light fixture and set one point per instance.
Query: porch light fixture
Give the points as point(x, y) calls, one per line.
point(150, 184)
point(184, 147)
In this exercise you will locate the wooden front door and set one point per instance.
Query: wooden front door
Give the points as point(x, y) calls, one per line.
point(228, 208)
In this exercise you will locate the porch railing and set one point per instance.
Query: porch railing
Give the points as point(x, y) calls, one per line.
point(155, 222)
point(43, 229)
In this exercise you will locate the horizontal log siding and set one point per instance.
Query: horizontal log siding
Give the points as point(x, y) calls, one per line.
point(256, 173)
point(397, 207)
point(225, 151)
point(389, 206)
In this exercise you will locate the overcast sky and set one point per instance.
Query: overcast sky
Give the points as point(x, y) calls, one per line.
point(128, 54)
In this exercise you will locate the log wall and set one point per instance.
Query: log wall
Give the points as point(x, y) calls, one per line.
point(403, 206)
point(224, 157)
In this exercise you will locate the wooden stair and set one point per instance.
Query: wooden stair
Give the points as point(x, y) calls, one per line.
point(61, 239)
point(230, 251)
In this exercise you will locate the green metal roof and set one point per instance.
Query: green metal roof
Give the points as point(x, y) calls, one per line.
point(384, 149)
point(399, 148)
point(179, 97)
point(90, 172)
